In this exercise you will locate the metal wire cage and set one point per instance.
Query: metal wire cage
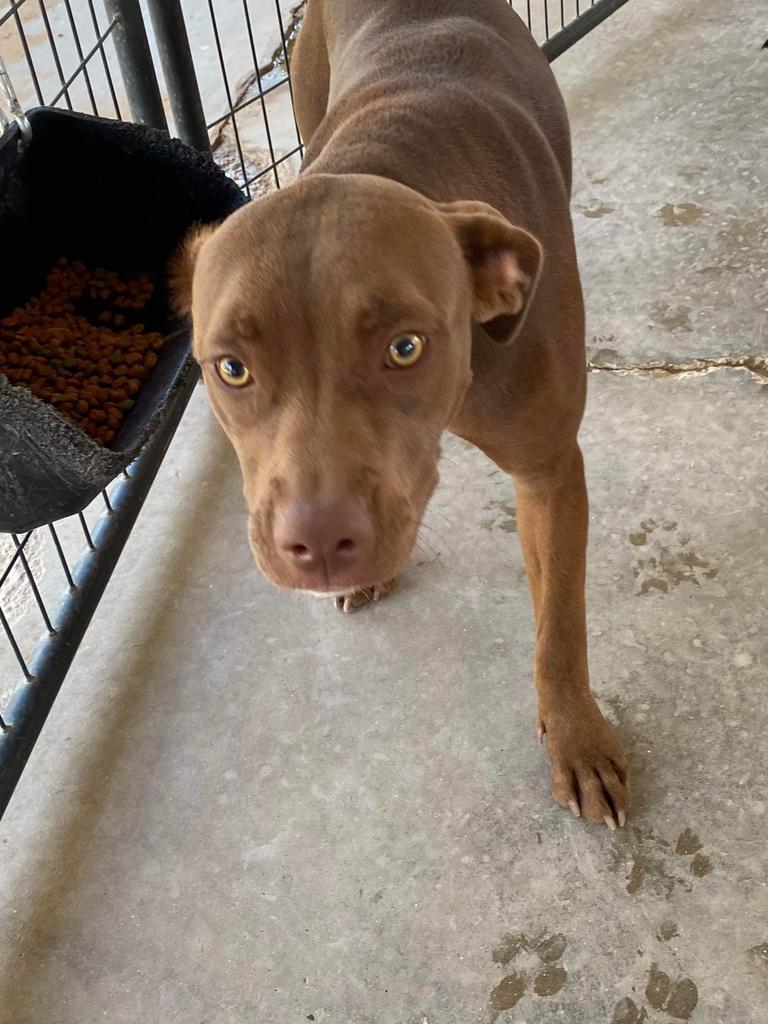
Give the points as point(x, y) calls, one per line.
point(219, 72)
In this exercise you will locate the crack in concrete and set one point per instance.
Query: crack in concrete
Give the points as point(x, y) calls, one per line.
point(756, 365)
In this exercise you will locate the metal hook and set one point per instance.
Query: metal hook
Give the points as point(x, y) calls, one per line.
point(10, 108)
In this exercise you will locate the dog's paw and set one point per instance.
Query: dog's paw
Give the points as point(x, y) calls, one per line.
point(589, 766)
point(365, 595)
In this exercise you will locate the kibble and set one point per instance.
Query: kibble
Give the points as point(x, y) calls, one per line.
point(71, 347)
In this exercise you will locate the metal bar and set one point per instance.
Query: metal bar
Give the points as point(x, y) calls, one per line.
point(27, 54)
point(228, 94)
point(86, 531)
point(62, 558)
point(246, 103)
point(272, 166)
point(82, 67)
point(179, 73)
point(136, 65)
point(30, 704)
point(33, 585)
point(14, 558)
point(105, 62)
point(264, 115)
point(579, 27)
point(54, 52)
point(287, 60)
point(10, 13)
point(19, 656)
point(79, 49)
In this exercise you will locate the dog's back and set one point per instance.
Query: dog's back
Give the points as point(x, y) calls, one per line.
point(451, 97)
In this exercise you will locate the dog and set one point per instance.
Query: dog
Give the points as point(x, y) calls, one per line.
point(419, 276)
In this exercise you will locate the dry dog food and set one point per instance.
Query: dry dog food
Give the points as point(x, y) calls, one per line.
point(79, 345)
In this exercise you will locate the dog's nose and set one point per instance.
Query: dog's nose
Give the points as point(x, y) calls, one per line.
point(332, 539)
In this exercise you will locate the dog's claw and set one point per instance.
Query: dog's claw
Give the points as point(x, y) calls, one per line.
point(588, 764)
point(347, 603)
point(541, 732)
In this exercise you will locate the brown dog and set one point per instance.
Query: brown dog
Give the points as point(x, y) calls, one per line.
point(420, 276)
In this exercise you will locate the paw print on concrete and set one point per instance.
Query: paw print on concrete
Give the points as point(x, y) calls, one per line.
point(666, 559)
point(677, 999)
point(689, 843)
point(537, 969)
point(655, 863)
point(504, 517)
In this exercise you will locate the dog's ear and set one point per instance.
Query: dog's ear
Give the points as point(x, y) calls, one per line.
point(181, 268)
point(505, 263)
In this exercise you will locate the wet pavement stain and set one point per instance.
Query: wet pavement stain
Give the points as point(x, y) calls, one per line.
point(627, 1011)
point(667, 930)
point(668, 560)
point(653, 870)
point(654, 583)
point(688, 842)
point(677, 999)
point(508, 524)
point(701, 865)
point(691, 173)
point(657, 989)
point(683, 1000)
point(759, 953)
point(601, 349)
point(654, 865)
point(546, 981)
point(671, 318)
point(597, 211)
point(680, 215)
point(551, 948)
point(550, 980)
point(507, 994)
point(508, 949)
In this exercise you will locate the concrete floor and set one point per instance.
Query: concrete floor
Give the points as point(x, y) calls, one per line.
point(248, 808)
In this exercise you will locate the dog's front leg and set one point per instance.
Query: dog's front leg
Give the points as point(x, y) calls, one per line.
point(589, 773)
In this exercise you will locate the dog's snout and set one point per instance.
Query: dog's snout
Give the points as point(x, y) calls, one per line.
point(324, 541)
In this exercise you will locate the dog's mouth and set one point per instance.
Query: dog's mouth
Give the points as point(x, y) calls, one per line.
point(325, 581)
point(329, 585)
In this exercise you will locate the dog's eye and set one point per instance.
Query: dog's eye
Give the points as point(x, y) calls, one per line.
point(233, 372)
point(406, 350)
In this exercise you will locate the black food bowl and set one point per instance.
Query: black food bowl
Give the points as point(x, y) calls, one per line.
point(113, 195)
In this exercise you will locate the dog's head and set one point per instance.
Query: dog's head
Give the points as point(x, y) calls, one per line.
point(333, 323)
